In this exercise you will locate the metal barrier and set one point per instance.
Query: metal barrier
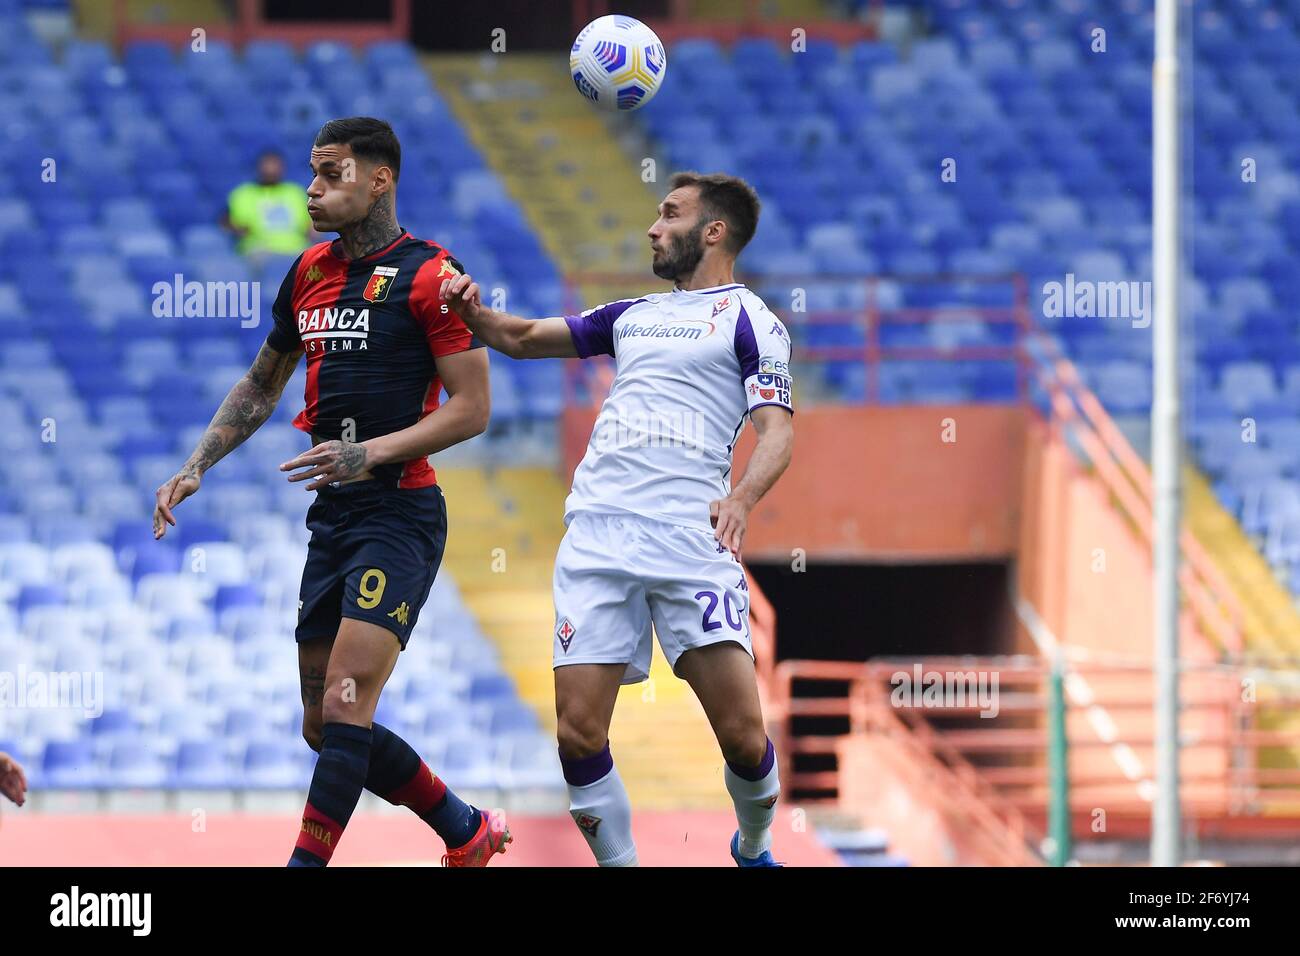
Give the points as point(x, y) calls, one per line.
point(1237, 746)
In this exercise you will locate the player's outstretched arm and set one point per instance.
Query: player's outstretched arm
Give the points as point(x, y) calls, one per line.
point(730, 515)
point(515, 336)
point(248, 404)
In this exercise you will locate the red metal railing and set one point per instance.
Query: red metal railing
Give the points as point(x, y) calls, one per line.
point(1236, 752)
point(248, 23)
point(583, 290)
point(687, 19)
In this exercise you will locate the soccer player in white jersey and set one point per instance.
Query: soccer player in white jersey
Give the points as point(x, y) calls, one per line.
point(654, 527)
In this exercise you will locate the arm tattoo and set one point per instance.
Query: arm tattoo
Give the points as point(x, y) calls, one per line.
point(248, 405)
point(313, 686)
point(377, 229)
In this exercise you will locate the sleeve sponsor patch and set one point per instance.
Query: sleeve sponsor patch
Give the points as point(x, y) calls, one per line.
point(767, 388)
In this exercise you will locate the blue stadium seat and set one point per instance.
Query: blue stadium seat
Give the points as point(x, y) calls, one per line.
point(202, 764)
point(70, 765)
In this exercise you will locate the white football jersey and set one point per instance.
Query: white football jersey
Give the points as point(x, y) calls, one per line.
point(691, 366)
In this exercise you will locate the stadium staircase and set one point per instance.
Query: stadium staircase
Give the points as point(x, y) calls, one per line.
point(1269, 616)
point(558, 158)
point(660, 737)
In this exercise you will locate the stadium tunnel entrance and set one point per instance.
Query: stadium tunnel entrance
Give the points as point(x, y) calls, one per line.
point(854, 611)
point(848, 611)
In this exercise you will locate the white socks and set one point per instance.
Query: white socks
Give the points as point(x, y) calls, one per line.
point(754, 791)
point(599, 806)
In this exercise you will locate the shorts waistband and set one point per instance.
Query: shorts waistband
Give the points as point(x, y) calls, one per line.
point(353, 488)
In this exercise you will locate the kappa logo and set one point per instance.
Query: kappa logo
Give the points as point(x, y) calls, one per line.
point(402, 612)
point(314, 274)
point(381, 280)
point(722, 304)
point(777, 330)
point(447, 269)
point(587, 824)
point(565, 631)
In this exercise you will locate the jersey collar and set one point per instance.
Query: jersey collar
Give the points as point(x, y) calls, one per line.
point(710, 291)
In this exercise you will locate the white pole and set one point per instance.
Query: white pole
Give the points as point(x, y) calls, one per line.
point(1165, 430)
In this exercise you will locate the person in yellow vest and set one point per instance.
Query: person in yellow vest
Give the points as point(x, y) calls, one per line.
point(270, 215)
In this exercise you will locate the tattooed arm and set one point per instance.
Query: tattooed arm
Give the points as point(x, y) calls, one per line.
point(249, 404)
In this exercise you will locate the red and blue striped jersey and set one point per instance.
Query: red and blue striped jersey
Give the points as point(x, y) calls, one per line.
point(372, 330)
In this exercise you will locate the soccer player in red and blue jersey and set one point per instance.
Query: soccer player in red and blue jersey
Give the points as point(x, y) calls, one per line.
point(380, 345)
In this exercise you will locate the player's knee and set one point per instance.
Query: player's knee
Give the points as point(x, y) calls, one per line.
point(578, 738)
point(743, 742)
point(349, 700)
point(339, 711)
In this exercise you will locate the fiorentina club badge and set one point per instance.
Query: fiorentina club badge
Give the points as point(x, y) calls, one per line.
point(565, 631)
point(377, 287)
point(721, 304)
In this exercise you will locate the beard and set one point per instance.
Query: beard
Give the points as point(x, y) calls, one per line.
point(682, 255)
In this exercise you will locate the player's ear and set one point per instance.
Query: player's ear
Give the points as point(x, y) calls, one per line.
point(716, 231)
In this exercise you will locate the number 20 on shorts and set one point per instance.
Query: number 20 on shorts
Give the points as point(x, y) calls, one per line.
point(710, 599)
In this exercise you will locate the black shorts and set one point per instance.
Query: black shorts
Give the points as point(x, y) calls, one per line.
point(373, 555)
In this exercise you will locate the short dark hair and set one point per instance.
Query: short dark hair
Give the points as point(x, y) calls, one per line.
point(371, 139)
point(724, 197)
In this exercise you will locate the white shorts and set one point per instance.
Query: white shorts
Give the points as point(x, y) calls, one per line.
point(617, 573)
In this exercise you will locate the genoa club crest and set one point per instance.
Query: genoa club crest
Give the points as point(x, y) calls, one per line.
point(380, 281)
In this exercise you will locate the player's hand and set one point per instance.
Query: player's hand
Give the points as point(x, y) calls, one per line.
point(328, 462)
point(172, 493)
point(463, 295)
point(729, 517)
point(13, 783)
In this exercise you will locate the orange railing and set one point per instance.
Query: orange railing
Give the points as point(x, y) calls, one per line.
point(586, 289)
point(956, 784)
point(690, 18)
point(1236, 750)
point(248, 22)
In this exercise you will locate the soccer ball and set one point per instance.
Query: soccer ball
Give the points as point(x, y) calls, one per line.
point(617, 62)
